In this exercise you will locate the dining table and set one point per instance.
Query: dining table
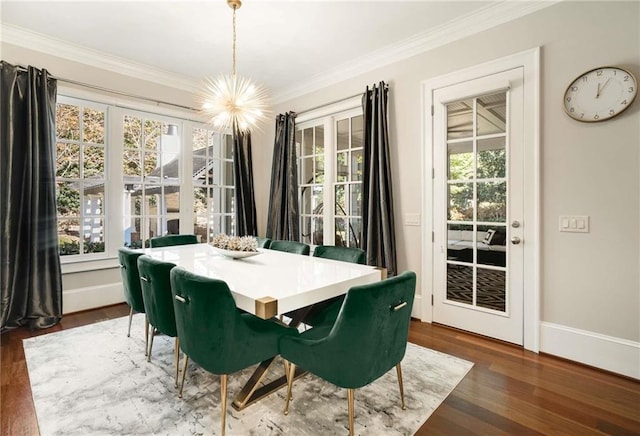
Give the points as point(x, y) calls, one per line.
point(269, 283)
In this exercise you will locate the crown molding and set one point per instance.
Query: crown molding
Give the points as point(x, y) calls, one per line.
point(470, 24)
point(57, 47)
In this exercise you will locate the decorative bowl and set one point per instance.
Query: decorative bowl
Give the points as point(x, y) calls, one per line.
point(235, 254)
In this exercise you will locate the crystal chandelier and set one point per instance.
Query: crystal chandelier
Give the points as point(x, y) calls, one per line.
point(230, 101)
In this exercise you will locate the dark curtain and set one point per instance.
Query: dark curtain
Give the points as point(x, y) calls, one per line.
point(245, 203)
point(282, 222)
point(30, 266)
point(378, 230)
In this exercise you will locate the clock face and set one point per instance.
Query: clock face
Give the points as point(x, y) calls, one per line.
point(600, 94)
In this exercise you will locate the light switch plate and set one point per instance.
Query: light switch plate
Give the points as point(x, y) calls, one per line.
point(411, 219)
point(574, 223)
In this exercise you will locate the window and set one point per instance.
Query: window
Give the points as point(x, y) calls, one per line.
point(122, 178)
point(80, 177)
point(151, 175)
point(213, 184)
point(330, 164)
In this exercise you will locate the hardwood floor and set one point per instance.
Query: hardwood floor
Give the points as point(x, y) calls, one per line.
point(508, 391)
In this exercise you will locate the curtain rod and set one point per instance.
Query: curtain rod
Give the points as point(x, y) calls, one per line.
point(113, 91)
point(386, 85)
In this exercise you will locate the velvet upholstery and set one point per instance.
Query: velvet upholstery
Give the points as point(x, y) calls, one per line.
point(128, 260)
point(263, 242)
point(327, 311)
point(156, 293)
point(170, 240)
point(291, 247)
point(213, 333)
point(368, 338)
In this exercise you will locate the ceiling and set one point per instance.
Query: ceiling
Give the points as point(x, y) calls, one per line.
point(285, 45)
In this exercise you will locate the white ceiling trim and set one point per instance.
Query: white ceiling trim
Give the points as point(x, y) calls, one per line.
point(475, 22)
point(36, 41)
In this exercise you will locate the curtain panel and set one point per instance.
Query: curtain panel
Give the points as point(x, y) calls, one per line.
point(30, 266)
point(283, 218)
point(245, 203)
point(378, 228)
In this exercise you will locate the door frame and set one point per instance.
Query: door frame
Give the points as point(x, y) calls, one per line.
point(530, 61)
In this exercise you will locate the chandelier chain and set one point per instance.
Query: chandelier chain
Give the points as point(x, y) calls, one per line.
point(233, 60)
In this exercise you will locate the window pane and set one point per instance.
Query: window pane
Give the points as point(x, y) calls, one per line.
point(460, 163)
point(460, 119)
point(171, 199)
point(132, 232)
point(357, 132)
point(355, 232)
point(318, 231)
point(132, 132)
point(491, 245)
point(492, 158)
point(151, 169)
point(305, 229)
point(491, 118)
point(319, 141)
point(67, 160)
point(491, 289)
point(93, 126)
point(317, 198)
point(93, 235)
point(200, 227)
point(305, 200)
point(460, 283)
point(228, 205)
point(306, 170)
point(68, 199)
point(228, 173)
point(173, 224)
point(342, 224)
point(342, 168)
point(69, 236)
point(228, 149)
point(228, 225)
point(200, 201)
point(356, 165)
point(152, 132)
point(132, 163)
point(93, 199)
point(200, 139)
point(460, 243)
point(93, 161)
point(343, 134)
point(319, 172)
point(460, 202)
point(67, 122)
point(215, 226)
point(341, 201)
point(355, 199)
point(492, 201)
point(307, 142)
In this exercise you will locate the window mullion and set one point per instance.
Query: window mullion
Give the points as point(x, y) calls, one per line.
point(329, 181)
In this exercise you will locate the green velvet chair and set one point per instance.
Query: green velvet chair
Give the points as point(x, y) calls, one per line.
point(215, 335)
point(263, 242)
point(327, 311)
point(369, 338)
point(169, 240)
point(128, 260)
point(291, 247)
point(158, 302)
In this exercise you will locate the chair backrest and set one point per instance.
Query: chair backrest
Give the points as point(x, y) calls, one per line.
point(211, 329)
point(169, 240)
point(128, 260)
point(290, 247)
point(156, 293)
point(263, 242)
point(345, 254)
point(371, 331)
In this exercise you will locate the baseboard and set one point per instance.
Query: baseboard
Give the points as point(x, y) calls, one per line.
point(92, 297)
point(605, 352)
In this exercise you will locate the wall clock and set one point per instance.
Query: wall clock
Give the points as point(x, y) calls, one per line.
point(600, 94)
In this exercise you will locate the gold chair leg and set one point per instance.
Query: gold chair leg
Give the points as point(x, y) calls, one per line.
point(177, 358)
point(130, 319)
point(350, 398)
point(146, 335)
point(223, 400)
point(290, 376)
point(185, 360)
point(399, 371)
point(153, 329)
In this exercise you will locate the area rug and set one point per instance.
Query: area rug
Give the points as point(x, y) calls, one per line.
point(94, 380)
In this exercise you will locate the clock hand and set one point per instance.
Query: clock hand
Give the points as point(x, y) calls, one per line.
point(605, 84)
point(598, 91)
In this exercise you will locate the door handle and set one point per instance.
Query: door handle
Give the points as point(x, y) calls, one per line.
point(515, 240)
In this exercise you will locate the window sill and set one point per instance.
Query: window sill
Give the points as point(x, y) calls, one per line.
point(77, 266)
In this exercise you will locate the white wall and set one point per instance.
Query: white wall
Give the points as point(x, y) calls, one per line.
point(590, 285)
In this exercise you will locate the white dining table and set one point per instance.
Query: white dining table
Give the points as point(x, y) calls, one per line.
point(271, 282)
point(267, 284)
